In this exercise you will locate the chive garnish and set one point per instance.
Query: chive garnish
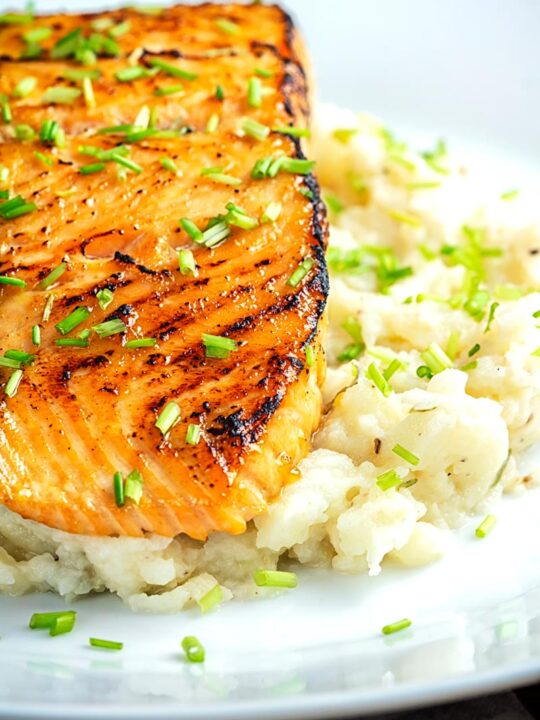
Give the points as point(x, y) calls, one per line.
point(255, 129)
point(14, 282)
point(53, 276)
point(57, 623)
point(104, 298)
point(45, 159)
point(216, 174)
point(271, 212)
point(73, 320)
point(392, 368)
point(275, 578)
point(5, 109)
point(120, 29)
point(109, 327)
point(213, 123)
point(215, 233)
point(105, 644)
point(344, 135)
point(407, 455)
point(72, 342)
point(192, 230)
point(301, 271)
point(172, 70)
point(486, 526)
point(388, 479)
point(254, 92)
point(13, 383)
point(491, 316)
point(169, 164)
point(16, 18)
point(126, 162)
point(405, 218)
point(51, 133)
point(239, 218)
point(133, 488)
point(141, 343)
point(436, 359)
point(17, 206)
point(218, 346)
point(396, 626)
point(310, 356)
point(193, 649)
point(20, 356)
point(37, 34)
point(509, 195)
point(296, 166)
point(79, 74)
point(24, 87)
point(377, 378)
point(118, 487)
point(475, 348)
point(262, 72)
point(193, 434)
point(334, 204)
point(186, 262)
point(88, 93)
point(227, 26)
point(60, 95)
point(212, 599)
point(292, 131)
point(36, 335)
point(92, 168)
point(133, 72)
point(168, 417)
point(168, 90)
point(220, 92)
point(10, 363)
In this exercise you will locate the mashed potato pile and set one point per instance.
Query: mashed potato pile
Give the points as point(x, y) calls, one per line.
point(432, 392)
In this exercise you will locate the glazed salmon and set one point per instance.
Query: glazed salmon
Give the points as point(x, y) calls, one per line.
point(162, 273)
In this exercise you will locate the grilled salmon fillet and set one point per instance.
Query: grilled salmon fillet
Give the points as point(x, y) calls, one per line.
point(162, 273)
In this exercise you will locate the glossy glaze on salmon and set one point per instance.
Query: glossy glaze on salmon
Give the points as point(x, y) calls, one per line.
point(82, 413)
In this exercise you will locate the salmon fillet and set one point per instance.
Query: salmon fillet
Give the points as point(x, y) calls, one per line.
point(152, 130)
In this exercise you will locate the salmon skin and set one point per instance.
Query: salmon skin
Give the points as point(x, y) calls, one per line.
point(154, 192)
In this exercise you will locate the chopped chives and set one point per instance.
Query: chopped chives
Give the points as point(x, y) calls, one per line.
point(388, 480)
point(5, 109)
point(377, 378)
point(491, 316)
point(51, 133)
point(237, 217)
point(78, 74)
point(271, 212)
point(14, 282)
point(423, 371)
point(392, 368)
point(436, 359)
point(48, 308)
point(218, 346)
point(192, 230)
point(109, 327)
point(88, 93)
point(126, 162)
point(475, 348)
point(405, 218)
point(292, 131)
point(262, 72)
point(275, 578)
point(216, 175)
point(36, 335)
point(186, 262)
point(509, 195)
point(296, 166)
point(49, 161)
point(407, 455)
point(172, 70)
point(220, 92)
point(344, 135)
point(24, 87)
point(92, 168)
point(193, 649)
point(168, 417)
point(16, 207)
point(193, 434)
point(301, 271)
point(215, 233)
point(213, 123)
point(396, 626)
point(168, 90)
point(47, 621)
point(13, 383)
point(334, 204)
point(53, 276)
point(470, 366)
point(255, 129)
point(118, 487)
point(73, 320)
point(60, 95)
point(306, 192)
point(16, 18)
point(62, 625)
point(254, 92)
point(37, 34)
point(423, 185)
point(104, 298)
point(72, 342)
point(486, 526)
point(140, 343)
point(310, 356)
point(121, 29)
point(133, 72)
point(20, 356)
point(168, 164)
point(227, 26)
point(105, 644)
point(133, 488)
point(212, 599)
point(10, 363)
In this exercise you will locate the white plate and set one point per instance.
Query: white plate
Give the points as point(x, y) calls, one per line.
point(467, 71)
